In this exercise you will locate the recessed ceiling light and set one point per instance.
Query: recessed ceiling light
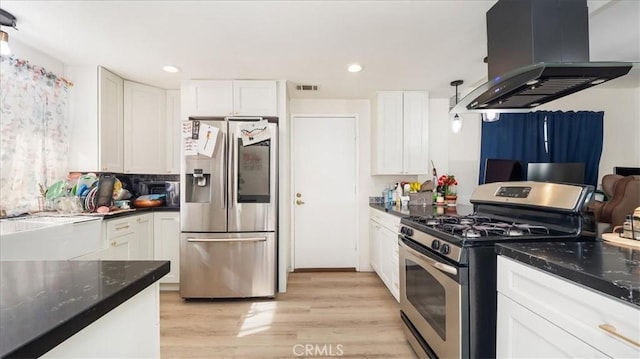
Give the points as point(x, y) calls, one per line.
point(354, 68)
point(170, 68)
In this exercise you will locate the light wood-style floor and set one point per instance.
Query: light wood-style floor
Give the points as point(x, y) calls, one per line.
point(323, 314)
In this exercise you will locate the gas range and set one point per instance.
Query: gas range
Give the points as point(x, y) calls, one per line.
point(499, 219)
point(448, 263)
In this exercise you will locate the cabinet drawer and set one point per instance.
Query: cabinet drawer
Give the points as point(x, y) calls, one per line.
point(119, 227)
point(578, 310)
point(390, 221)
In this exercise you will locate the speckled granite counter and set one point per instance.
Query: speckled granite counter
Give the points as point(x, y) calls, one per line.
point(42, 303)
point(424, 211)
point(605, 268)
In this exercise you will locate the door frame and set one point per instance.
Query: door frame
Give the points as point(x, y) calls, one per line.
point(356, 180)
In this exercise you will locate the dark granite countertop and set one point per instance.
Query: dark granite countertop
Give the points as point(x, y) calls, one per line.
point(602, 267)
point(424, 211)
point(136, 211)
point(42, 303)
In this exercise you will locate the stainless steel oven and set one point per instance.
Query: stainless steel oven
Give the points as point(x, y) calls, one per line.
point(433, 294)
point(448, 263)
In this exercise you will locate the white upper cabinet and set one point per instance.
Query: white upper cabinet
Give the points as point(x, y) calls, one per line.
point(208, 98)
point(96, 108)
point(229, 98)
point(253, 97)
point(145, 129)
point(121, 126)
point(110, 110)
point(172, 149)
point(400, 133)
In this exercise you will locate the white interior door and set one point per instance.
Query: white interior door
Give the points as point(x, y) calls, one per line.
point(324, 173)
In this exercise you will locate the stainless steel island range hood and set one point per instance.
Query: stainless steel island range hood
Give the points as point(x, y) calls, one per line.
point(538, 51)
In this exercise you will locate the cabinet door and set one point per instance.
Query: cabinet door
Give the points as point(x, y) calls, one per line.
point(172, 138)
point(166, 236)
point(388, 126)
point(207, 98)
point(144, 237)
point(120, 236)
point(255, 98)
point(122, 247)
point(415, 132)
point(387, 241)
point(144, 129)
point(374, 245)
point(110, 119)
point(523, 334)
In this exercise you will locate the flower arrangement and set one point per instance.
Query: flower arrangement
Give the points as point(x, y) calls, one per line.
point(447, 185)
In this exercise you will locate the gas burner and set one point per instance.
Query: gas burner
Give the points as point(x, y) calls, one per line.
point(471, 233)
point(467, 220)
point(432, 222)
point(454, 228)
point(515, 232)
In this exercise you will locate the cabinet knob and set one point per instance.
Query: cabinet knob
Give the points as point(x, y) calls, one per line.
point(113, 243)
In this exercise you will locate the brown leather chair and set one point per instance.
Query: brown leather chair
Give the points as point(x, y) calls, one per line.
point(623, 195)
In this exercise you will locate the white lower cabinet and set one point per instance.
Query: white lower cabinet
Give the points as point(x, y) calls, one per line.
point(130, 330)
point(542, 315)
point(166, 229)
point(144, 239)
point(383, 249)
point(125, 238)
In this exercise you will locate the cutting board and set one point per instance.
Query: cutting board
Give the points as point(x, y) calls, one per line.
point(614, 238)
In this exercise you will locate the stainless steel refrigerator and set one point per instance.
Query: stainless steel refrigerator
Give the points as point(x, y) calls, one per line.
point(228, 210)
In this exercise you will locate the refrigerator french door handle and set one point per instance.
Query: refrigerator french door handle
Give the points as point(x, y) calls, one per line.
point(250, 239)
point(233, 169)
point(223, 198)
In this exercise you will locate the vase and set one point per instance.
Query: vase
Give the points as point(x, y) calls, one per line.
point(451, 199)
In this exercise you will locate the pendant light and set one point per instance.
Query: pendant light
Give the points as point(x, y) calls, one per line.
point(6, 19)
point(456, 121)
point(491, 116)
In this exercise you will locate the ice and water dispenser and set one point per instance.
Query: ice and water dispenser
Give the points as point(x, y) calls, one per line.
point(198, 186)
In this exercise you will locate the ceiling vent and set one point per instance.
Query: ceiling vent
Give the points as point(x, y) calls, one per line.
point(307, 87)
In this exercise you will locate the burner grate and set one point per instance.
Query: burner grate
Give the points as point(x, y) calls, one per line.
point(477, 226)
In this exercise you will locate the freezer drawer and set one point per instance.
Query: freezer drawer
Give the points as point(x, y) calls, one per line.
point(227, 265)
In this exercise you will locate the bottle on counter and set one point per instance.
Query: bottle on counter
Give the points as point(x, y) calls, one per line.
point(398, 193)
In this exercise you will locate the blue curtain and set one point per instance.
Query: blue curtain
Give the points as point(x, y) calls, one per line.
point(577, 137)
point(516, 136)
point(572, 137)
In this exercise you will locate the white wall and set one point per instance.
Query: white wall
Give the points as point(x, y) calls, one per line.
point(35, 57)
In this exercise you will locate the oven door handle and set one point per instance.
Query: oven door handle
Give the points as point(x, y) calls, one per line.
point(438, 265)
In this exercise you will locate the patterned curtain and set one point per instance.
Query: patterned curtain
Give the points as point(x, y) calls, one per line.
point(34, 133)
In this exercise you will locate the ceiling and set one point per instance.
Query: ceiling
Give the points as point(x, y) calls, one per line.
point(403, 45)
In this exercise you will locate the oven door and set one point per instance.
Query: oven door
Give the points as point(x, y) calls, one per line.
point(431, 298)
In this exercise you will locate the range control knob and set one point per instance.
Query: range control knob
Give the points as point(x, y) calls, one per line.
point(403, 230)
point(445, 249)
point(410, 231)
point(435, 244)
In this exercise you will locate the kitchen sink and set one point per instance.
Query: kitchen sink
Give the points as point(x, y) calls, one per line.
point(49, 237)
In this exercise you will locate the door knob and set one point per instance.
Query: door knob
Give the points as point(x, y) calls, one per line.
point(299, 202)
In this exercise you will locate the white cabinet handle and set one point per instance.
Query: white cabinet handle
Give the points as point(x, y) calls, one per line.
point(126, 226)
point(612, 330)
